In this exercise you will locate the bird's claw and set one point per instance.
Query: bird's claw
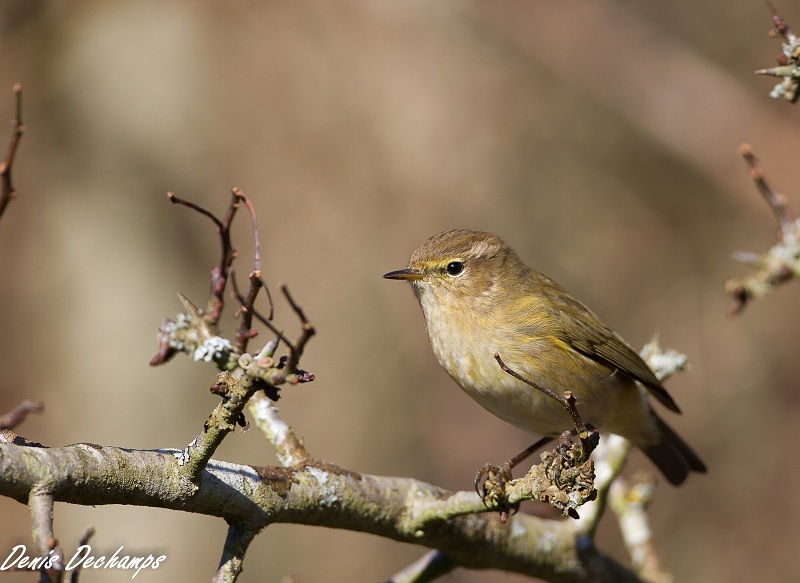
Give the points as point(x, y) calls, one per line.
point(490, 484)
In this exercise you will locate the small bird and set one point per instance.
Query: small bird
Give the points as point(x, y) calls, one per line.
point(479, 299)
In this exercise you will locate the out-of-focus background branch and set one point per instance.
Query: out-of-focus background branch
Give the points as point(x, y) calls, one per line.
point(599, 139)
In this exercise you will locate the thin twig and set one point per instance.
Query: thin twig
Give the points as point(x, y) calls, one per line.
point(778, 265)
point(567, 401)
point(296, 349)
point(245, 331)
point(776, 201)
point(429, 567)
point(257, 243)
point(236, 544)
point(7, 190)
point(289, 448)
point(19, 413)
point(257, 247)
point(788, 69)
point(174, 199)
point(75, 575)
point(219, 275)
point(781, 26)
point(260, 317)
point(40, 508)
point(629, 502)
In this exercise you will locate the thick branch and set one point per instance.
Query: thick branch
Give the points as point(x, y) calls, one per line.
point(313, 493)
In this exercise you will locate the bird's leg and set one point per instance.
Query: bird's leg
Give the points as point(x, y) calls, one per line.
point(523, 455)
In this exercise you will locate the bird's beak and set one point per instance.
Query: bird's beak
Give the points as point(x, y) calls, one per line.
point(409, 274)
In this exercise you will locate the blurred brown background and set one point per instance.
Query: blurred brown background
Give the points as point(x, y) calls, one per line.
point(598, 138)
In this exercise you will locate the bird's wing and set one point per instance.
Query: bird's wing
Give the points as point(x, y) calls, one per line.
point(581, 329)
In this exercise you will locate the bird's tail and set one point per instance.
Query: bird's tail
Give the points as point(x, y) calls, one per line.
point(672, 455)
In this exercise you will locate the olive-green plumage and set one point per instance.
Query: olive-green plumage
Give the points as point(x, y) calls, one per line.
point(479, 299)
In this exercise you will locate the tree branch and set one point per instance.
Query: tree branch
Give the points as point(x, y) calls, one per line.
point(778, 265)
point(788, 68)
point(313, 493)
point(7, 190)
point(629, 501)
point(429, 567)
point(40, 507)
point(19, 413)
point(236, 544)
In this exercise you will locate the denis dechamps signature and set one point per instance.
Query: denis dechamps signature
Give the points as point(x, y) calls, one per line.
point(19, 559)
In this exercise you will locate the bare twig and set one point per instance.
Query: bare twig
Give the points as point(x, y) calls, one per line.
point(256, 241)
point(40, 507)
point(307, 331)
point(610, 457)
point(778, 265)
point(256, 247)
point(788, 68)
point(246, 311)
point(233, 553)
point(7, 190)
point(429, 567)
point(288, 447)
point(588, 442)
point(19, 413)
point(629, 501)
point(236, 392)
point(567, 468)
point(257, 283)
point(267, 321)
point(781, 26)
point(75, 575)
point(776, 201)
point(192, 333)
point(219, 275)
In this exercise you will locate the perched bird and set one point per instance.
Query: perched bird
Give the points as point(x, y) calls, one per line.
point(479, 299)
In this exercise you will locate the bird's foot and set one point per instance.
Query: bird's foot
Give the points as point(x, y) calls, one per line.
point(490, 484)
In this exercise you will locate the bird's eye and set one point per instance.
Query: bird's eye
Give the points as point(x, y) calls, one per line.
point(455, 268)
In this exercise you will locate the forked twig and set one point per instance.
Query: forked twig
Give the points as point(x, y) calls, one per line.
point(219, 275)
